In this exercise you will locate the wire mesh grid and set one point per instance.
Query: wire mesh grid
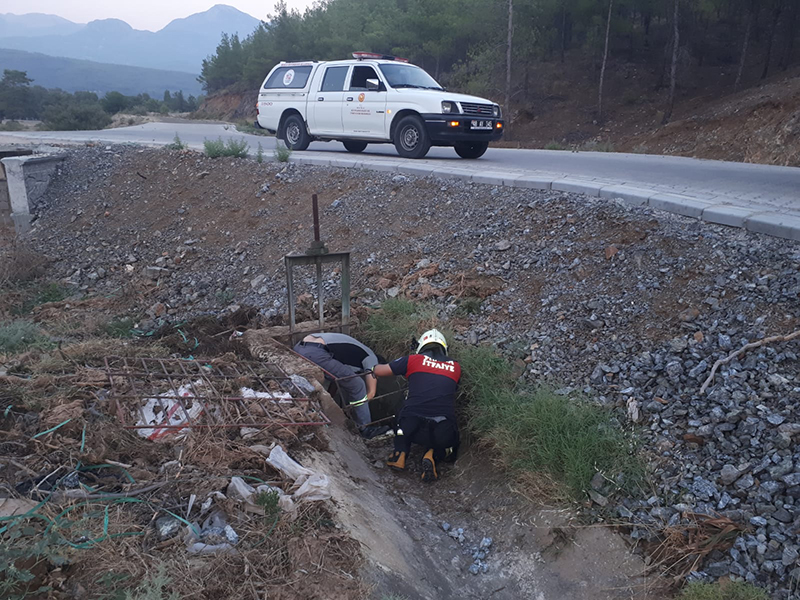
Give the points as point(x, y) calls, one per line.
point(162, 396)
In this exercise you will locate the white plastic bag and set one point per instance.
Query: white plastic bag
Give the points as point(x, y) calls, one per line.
point(281, 461)
point(316, 487)
point(239, 490)
point(166, 410)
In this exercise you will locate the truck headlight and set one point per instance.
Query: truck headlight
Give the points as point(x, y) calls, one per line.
point(449, 107)
point(496, 111)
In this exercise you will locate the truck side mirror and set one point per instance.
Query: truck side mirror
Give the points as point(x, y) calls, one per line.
point(375, 85)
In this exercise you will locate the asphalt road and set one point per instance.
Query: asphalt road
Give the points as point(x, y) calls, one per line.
point(738, 183)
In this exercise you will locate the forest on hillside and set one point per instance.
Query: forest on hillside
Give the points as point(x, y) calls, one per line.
point(63, 111)
point(494, 47)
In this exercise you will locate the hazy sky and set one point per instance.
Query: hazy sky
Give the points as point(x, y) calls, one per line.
point(141, 14)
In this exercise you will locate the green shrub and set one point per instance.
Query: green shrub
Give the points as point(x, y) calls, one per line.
point(177, 144)
point(469, 306)
point(41, 294)
point(76, 116)
point(217, 148)
point(390, 330)
point(535, 430)
point(249, 128)
point(214, 148)
point(597, 146)
point(282, 152)
point(153, 587)
point(120, 327)
point(554, 145)
point(23, 548)
point(19, 335)
point(730, 590)
point(11, 126)
point(260, 154)
point(269, 502)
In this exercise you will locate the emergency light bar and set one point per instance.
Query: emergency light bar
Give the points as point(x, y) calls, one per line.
point(376, 56)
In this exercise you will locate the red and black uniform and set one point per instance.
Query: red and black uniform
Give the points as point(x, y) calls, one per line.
point(428, 417)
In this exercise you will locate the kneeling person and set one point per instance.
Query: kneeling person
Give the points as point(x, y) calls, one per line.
point(343, 356)
point(428, 416)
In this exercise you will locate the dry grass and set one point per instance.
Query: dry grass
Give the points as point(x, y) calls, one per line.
point(683, 548)
point(19, 264)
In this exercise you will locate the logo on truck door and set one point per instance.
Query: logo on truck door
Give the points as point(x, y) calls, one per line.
point(361, 97)
point(288, 77)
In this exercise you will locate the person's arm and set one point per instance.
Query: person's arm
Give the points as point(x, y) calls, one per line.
point(382, 371)
point(372, 385)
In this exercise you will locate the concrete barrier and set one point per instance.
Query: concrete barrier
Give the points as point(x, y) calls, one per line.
point(27, 178)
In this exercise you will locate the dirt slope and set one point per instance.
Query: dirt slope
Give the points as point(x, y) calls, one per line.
point(759, 125)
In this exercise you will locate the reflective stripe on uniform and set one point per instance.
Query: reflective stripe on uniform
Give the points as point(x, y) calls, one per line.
point(364, 400)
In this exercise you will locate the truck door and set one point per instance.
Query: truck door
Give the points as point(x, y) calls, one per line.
point(325, 105)
point(364, 110)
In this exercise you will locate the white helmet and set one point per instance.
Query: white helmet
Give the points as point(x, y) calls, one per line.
point(432, 336)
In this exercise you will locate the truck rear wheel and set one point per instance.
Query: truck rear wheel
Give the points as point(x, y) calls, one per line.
point(295, 134)
point(411, 138)
point(471, 149)
point(355, 147)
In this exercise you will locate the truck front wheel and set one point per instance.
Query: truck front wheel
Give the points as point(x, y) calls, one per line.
point(471, 149)
point(355, 147)
point(295, 134)
point(411, 138)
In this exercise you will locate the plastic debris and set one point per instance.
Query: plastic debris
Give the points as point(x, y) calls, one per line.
point(316, 487)
point(215, 536)
point(165, 413)
point(278, 459)
point(167, 527)
point(302, 384)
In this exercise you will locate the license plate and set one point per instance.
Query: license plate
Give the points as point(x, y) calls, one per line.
point(481, 125)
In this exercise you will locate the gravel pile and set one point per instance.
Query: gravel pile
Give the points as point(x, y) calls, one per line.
point(626, 305)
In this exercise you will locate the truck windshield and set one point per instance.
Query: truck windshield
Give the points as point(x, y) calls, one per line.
point(399, 76)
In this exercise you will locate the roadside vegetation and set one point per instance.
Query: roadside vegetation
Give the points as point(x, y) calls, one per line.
point(724, 590)
point(230, 147)
point(62, 111)
point(558, 442)
point(281, 153)
point(250, 129)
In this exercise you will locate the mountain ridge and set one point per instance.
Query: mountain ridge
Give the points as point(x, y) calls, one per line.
point(114, 41)
point(75, 75)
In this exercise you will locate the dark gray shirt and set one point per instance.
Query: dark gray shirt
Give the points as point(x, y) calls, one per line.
point(348, 350)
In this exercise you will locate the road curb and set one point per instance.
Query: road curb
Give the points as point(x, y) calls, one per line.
point(719, 210)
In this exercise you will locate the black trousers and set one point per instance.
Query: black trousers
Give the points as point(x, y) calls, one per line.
point(427, 433)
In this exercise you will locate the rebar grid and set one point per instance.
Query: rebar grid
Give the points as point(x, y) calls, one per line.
point(216, 388)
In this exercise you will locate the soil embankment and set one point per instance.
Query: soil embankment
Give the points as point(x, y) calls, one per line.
point(625, 305)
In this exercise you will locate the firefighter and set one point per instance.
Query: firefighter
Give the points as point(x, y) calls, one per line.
point(428, 416)
point(342, 356)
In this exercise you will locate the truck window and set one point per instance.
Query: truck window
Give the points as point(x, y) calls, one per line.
point(360, 75)
point(293, 78)
point(334, 79)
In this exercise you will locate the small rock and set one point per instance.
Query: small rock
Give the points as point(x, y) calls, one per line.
point(446, 526)
point(502, 245)
point(393, 292)
point(792, 479)
point(598, 481)
point(729, 474)
point(598, 498)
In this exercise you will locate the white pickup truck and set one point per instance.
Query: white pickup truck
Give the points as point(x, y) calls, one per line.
point(373, 99)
